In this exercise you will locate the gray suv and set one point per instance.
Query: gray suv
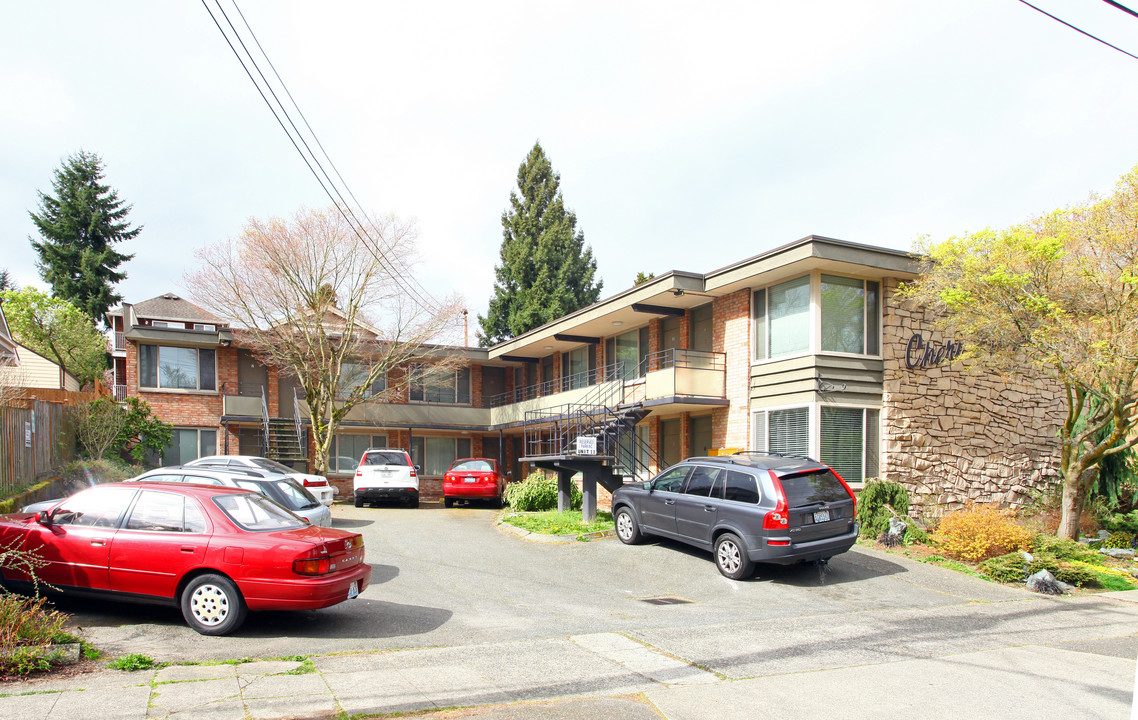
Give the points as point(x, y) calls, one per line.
point(744, 508)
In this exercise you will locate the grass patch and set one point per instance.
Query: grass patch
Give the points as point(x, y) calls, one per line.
point(132, 662)
point(305, 668)
point(551, 522)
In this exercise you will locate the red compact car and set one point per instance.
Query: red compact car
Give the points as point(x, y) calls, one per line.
point(473, 479)
point(214, 551)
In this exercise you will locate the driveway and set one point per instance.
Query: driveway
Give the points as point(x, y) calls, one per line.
point(486, 619)
point(449, 577)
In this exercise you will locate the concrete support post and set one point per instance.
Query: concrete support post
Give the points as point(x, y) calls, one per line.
point(589, 499)
point(564, 493)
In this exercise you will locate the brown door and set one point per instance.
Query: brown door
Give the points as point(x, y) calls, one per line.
point(670, 448)
point(252, 376)
point(286, 386)
point(493, 383)
point(702, 331)
point(699, 436)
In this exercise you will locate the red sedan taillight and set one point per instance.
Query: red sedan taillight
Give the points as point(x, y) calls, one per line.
point(312, 565)
point(779, 518)
point(320, 561)
point(314, 483)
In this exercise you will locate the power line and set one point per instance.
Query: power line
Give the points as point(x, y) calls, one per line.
point(419, 294)
point(1084, 32)
point(1121, 7)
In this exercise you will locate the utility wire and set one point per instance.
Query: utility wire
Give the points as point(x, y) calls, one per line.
point(1121, 7)
point(1084, 32)
point(426, 301)
point(423, 298)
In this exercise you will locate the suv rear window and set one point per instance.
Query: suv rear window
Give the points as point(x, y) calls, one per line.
point(385, 457)
point(812, 487)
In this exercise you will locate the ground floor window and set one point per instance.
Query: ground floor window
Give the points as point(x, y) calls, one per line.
point(348, 449)
point(188, 444)
point(845, 438)
point(435, 455)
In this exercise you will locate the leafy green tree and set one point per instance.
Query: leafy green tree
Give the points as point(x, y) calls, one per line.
point(642, 277)
point(57, 330)
point(1059, 292)
point(79, 223)
point(142, 433)
point(546, 269)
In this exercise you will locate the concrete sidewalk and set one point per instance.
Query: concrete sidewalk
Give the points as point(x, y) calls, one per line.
point(613, 677)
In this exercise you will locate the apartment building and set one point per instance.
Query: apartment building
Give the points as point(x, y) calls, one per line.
point(803, 349)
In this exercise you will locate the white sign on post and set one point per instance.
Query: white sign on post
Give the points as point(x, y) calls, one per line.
point(586, 445)
point(27, 434)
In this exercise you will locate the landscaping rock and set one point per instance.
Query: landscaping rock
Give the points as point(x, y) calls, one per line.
point(1028, 558)
point(897, 527)
point(1117, 552)
point(1044, 582)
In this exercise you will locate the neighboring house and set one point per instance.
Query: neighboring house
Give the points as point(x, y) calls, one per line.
point(803, 349)
point(32, 370)
point(7, 344)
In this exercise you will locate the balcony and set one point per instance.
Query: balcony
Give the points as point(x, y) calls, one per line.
point(687, 374)
point(242, 399)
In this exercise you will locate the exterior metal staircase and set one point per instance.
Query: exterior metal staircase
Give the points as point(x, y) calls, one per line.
point(595, 436)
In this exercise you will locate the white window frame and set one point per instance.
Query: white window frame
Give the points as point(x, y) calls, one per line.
point(815, 345)
point(815, 429)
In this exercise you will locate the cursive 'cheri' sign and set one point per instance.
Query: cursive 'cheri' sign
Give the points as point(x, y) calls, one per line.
point(919, 354)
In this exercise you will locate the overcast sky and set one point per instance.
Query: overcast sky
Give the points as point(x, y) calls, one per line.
point(688, 135)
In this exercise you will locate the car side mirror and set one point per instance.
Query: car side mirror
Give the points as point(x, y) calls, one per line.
point(418, 468)
point(43, 517)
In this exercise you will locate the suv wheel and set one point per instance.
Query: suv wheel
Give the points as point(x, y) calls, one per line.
point(626, 528)
point(731, 557)
point(359, 501)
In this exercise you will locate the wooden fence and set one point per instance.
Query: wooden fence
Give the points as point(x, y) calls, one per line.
point(33, 441)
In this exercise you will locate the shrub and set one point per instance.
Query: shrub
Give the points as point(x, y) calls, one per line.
point(872, 512)
point(1119, 522)
point(538, 493)
point(1119, 540)
point(1006, 568)
point(27, 630)
point(1078, 575)
point(1065, 550)
point(980, 532)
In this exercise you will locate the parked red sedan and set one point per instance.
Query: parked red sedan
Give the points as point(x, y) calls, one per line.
point(473, 479)
point(214, 551)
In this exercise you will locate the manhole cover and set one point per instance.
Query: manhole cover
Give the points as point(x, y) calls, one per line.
point(666, 601)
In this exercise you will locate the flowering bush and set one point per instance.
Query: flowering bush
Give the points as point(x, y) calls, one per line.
point(980, 532)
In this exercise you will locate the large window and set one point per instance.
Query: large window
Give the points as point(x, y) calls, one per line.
point(788, 318)
point(849, 315)
point(630, 348)
point(348, 449)
point(353, 375)
point(188, 444)
point(440, 387)
point(849, 441)
point(436, 454)
point(848, 318)
point(576, 366)
point(177, 368)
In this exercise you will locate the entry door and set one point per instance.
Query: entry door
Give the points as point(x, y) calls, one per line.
point(493, 383)
point(670, 449)
point(699, 436)
point(286, 386)
point(252, 376)
point(702, 331)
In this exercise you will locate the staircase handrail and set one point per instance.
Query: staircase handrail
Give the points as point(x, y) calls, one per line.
point(296, 419)
point(264, 424)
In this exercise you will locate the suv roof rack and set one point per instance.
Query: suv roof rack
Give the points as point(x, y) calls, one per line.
point(231, 469)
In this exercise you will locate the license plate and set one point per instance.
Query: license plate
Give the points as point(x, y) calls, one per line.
point(470, 480)
point(822, 516)
point(353, 589)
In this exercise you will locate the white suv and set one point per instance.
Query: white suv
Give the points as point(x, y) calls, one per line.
point(315, 484)
point(386, 474)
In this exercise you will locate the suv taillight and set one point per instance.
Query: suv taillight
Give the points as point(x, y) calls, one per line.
point(779, 518)
point(314, 483)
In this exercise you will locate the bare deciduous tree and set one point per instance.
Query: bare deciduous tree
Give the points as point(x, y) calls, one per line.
point(98, 424)
point(330, 306)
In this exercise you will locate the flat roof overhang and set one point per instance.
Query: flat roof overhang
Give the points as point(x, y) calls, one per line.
point(675, 292)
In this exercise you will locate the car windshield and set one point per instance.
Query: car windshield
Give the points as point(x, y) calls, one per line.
point(385, 457)
point(473, 466)
point(273, 465)
point(812, 487)
point(296, 497)
point(256, 512)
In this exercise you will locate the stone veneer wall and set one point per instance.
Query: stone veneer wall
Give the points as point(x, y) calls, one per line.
point(954, 434)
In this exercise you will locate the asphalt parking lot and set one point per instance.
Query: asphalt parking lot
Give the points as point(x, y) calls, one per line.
point(485, 619)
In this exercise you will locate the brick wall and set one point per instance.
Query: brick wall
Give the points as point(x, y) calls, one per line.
point(732, 335)
point(954, 434)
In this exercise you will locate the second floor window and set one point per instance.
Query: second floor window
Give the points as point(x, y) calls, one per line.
point(352, 375)
point(440, 387)
point(177, 368)
point(844, 312)
point(849, 315)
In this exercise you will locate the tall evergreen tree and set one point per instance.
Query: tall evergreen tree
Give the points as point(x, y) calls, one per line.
point(79, 224)
point(546, 269)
